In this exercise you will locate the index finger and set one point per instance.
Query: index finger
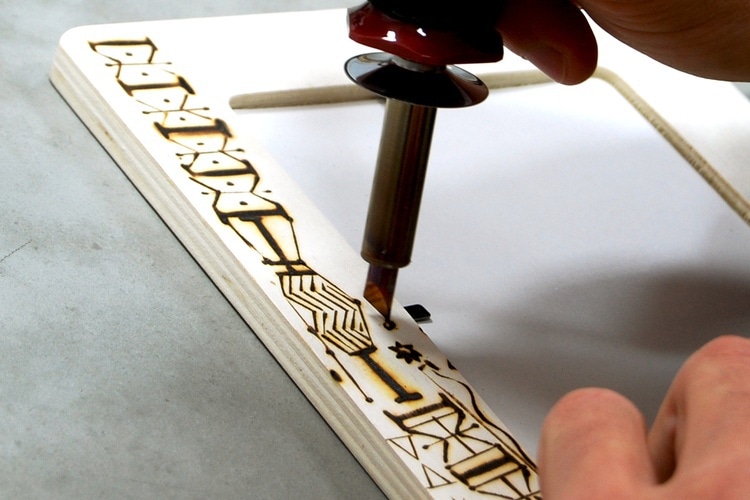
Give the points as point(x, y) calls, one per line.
point(593, 445)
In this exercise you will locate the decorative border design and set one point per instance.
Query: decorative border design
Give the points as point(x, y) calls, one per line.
point(439, 430)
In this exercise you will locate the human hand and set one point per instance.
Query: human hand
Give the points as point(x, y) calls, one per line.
point(708, 39)
point(595, 444)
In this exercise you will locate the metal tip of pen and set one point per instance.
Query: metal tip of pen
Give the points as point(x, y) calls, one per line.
point(380, 288)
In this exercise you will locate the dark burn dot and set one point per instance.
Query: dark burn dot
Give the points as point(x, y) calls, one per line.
point(389, 325)
point(243, 203)
point(335, 376)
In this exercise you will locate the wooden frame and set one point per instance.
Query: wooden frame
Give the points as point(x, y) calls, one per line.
point(158, 98)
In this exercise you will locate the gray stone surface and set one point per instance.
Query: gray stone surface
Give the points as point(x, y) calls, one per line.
point(124, 373)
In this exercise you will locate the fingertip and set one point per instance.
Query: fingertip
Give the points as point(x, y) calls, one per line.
point(724, 362)
point(586, 429)
point(727, 345)
point(582, 409)
point(565, 66)
point(554, 35)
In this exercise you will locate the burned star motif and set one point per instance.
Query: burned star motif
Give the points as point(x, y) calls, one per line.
point(406, 352)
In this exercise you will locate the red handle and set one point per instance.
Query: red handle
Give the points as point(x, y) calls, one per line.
point(420, 43)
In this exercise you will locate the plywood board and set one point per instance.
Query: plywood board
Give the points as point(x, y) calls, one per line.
point(157, 95)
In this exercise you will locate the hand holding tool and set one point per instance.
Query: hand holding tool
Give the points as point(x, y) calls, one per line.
point(422, 39)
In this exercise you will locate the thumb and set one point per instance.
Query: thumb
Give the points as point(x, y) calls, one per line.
point(593, 445)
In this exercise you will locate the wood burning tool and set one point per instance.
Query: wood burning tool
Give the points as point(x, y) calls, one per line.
point(421, 40)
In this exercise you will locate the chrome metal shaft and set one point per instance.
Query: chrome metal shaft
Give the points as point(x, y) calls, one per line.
point(397, 186)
